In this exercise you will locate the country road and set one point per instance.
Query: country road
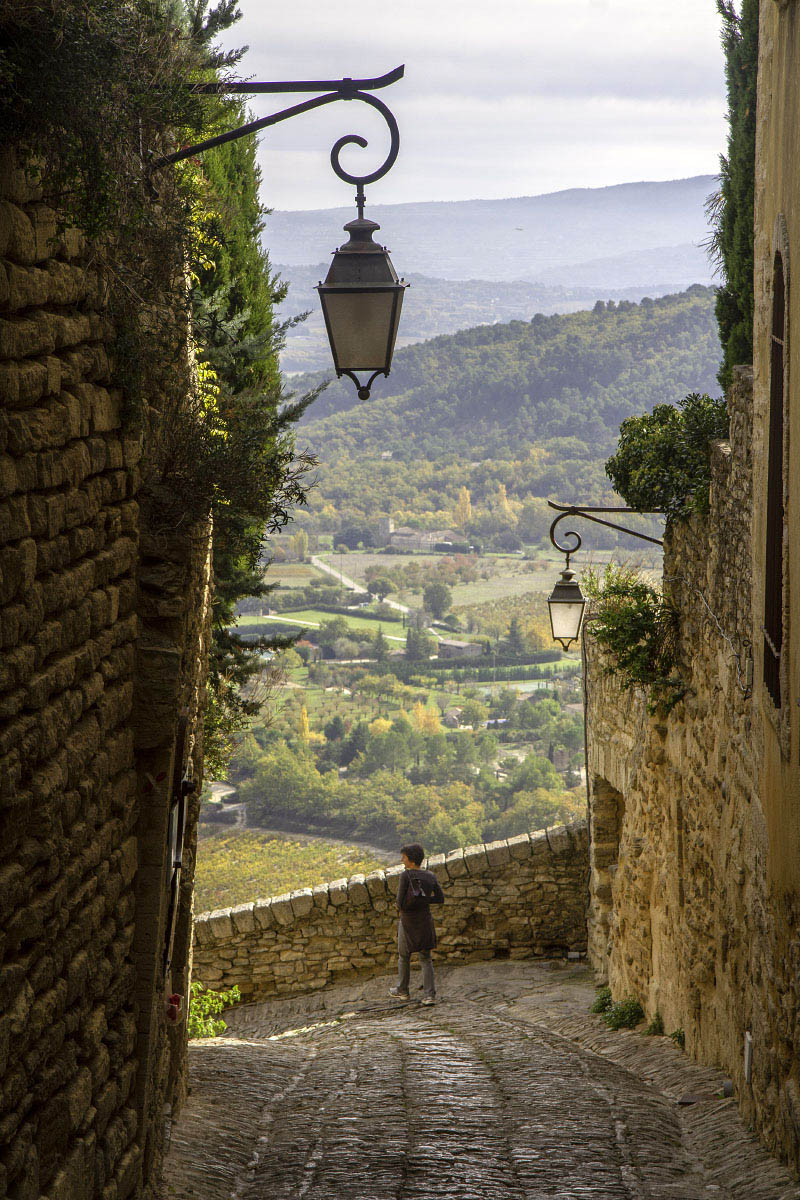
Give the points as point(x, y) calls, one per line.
point(321, 565)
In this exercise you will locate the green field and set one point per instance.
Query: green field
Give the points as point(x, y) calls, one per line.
point(313, 618)
point(508, 575)
point(237, 866)
point(292, 574)
point(324, 703)
point(355, 563)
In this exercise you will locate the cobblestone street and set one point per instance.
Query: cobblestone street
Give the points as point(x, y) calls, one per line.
point(505, 1090)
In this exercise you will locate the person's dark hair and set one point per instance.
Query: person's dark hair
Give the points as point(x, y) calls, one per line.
point(414, 851)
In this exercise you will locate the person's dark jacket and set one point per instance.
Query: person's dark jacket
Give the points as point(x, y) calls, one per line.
point(415, 911)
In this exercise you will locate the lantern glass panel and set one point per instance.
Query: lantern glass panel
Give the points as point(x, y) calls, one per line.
point(362, 326)
point(566, 618)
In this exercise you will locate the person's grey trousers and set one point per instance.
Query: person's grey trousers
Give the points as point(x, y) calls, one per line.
point(404, 965)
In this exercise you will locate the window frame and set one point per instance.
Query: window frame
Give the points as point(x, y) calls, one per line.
point(778, 714)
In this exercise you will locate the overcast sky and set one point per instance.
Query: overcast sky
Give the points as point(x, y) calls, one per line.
point(500, 97)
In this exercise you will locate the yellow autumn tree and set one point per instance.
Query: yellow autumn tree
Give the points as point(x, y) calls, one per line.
point(503, 507)
point(462, 513)
point(305, 728)
point(380, 725)
point(299, 544)
point(426, 720)
point(433, 723)
point(308, 736)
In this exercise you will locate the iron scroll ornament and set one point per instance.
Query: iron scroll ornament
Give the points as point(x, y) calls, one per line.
point(333, 89)
point(589, 514)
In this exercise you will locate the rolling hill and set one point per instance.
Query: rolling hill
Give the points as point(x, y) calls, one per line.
point(522, 410)
point(435, 306)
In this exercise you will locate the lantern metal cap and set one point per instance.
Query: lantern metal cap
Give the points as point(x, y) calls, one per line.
point(567, 589)
point(360, 231)
point(361, 261)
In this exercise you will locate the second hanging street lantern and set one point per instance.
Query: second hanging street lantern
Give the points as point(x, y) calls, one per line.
point(566, 602)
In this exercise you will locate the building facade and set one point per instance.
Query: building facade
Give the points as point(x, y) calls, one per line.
point(695, 814)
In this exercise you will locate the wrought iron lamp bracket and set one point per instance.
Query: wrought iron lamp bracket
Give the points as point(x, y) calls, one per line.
point(333, 90)
point(589, 513)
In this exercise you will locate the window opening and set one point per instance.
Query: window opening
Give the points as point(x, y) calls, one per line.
point(182, 787)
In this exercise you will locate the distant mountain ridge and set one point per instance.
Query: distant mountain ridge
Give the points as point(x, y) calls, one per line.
point(520, 237)
point(474, 262)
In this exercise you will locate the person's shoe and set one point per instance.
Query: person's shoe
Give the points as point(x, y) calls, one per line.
point(428, 1000)
point(399, 994)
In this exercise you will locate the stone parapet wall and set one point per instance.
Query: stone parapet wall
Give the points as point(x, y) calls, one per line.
point(681, 911)
point(516, 898)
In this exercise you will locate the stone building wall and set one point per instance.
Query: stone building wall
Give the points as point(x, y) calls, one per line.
point(681, 914)
point(92, 592)
point(517, 898)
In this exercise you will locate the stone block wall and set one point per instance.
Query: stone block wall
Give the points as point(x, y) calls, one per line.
point(681, 913)
point(517, 898)
point(81, 1013)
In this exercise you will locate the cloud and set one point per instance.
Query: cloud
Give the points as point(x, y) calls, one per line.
point(502, 99)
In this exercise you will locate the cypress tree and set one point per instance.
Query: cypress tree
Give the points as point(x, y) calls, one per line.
point(259, 476)
point(732, 208)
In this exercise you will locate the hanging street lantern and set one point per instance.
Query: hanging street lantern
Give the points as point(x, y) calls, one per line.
point(362, 296)
point(361, 301)
point(567, 604)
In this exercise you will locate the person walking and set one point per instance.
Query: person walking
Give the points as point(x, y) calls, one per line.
point(416, 933)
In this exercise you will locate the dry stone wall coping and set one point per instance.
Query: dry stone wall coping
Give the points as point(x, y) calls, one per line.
point(518, 897)
point(220, 924)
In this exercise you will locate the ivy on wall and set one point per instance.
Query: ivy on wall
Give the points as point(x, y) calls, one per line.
point(638, 628)
point(95, 89)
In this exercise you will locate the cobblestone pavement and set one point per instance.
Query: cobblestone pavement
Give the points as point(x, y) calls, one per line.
point(505, 1090)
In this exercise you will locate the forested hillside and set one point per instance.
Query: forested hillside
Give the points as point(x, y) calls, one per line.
point(511, 412)
point(439, 306)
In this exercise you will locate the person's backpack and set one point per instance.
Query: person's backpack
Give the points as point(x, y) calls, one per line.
point(417, 896)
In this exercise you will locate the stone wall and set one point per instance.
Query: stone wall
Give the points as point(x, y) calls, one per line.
point(681, 914)
point(511, 899)
point(85, 1063)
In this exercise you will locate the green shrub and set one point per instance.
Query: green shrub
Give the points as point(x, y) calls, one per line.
point(656, 1026)
point(625, 1014)
point(663, 458)
point(638, 628)
point(602, 1001)
point(205, 1007)
point(679, 1038)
